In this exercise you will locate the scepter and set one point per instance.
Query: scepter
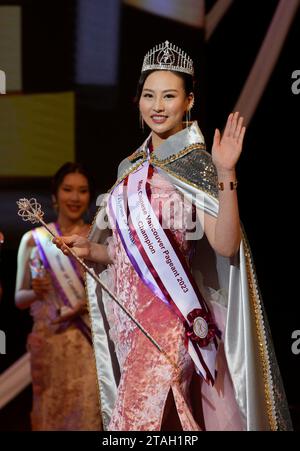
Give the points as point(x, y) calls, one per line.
point(30, 210)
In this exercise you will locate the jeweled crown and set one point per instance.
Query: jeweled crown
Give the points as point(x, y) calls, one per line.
point(167, 56)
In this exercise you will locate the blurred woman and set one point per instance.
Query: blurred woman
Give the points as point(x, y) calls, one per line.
point(65, 393)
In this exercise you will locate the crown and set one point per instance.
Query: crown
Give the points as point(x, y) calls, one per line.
point(167, 56)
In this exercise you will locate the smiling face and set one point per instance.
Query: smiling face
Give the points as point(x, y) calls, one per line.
point(164, 102)
point(73, 196)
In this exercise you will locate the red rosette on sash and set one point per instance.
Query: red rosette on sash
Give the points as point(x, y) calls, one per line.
point(202, 329)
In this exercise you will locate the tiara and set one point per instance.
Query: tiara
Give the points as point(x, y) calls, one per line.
point(167, 56)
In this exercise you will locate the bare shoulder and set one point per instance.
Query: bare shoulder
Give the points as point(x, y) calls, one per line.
point(27, 239)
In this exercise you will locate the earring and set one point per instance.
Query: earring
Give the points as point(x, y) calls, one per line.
point(188, 113)
point(188, 117)
point(141, 122)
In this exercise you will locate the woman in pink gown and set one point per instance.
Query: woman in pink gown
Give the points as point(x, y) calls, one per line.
point(148, 387)
point(161, 390)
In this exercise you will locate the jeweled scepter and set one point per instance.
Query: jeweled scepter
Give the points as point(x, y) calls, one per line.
point(30, 210)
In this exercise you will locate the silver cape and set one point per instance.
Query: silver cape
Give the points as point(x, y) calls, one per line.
point(248, 345)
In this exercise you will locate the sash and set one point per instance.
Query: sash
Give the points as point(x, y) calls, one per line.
point(64, 273)
point(159, 262)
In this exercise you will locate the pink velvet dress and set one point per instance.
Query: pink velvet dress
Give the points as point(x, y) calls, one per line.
point(147, 378)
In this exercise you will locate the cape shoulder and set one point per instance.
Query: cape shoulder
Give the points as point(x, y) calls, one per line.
point(130, 162)
point(196, 168)
point(192, 165)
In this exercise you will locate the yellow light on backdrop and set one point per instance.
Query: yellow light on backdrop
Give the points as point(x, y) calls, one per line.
point(36, 133)
point(10, 46)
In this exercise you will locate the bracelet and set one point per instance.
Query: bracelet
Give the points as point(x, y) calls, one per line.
point(232, 185)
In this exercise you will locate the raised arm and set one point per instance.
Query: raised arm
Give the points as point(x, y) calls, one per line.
point(224, 232)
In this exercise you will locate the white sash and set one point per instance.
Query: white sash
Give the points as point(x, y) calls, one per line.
point(155, 259)
point(70, 287)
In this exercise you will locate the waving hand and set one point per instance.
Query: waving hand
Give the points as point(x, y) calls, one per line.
point(227, 148)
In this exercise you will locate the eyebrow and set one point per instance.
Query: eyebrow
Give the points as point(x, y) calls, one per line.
point(165, 90)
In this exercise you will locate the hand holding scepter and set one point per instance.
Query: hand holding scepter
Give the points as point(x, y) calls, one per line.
point(30, 210)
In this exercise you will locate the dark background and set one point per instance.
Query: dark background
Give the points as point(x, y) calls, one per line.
point(107, 130)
